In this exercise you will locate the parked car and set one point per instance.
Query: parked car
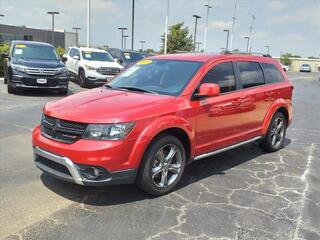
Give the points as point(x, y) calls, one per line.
point(305, 68)
point(284, 67)
point(34, 65)
point(91, 66)
point(161, 114)
point(125, 57)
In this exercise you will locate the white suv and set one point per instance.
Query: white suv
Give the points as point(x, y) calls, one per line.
point(91, 66)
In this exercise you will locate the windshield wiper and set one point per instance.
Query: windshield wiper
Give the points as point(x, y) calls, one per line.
point(137, 89)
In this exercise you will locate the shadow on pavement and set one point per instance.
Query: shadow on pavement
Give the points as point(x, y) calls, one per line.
point(114, 195)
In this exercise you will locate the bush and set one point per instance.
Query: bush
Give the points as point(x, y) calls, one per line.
point(4, 48)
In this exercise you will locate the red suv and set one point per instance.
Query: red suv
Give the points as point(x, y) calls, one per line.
point(161, 114)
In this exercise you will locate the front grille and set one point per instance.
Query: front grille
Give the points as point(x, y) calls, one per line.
point(33, 82)
point(61, 130)
point(108, 70)
point(42, 71)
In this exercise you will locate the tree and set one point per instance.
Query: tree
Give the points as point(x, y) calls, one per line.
point(178, 39)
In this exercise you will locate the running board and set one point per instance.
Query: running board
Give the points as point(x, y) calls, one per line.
point(226, 148)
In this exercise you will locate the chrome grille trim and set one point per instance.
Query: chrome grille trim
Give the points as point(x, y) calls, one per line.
point(42, 71)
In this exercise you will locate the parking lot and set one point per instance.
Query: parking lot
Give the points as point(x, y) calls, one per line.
point(240, 194)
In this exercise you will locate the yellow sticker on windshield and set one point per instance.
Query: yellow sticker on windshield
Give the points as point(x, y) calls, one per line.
point(144, 62)
point(20, 46)
point(88, 52)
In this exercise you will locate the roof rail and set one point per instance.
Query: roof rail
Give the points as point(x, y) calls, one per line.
point(247, 53)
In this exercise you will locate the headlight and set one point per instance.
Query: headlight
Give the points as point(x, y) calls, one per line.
point(90, 67)
point(62, 70)
point(108, 131)
point(19, 68)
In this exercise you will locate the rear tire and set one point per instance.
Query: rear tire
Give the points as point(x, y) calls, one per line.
point(276, 133)
point(162, 166)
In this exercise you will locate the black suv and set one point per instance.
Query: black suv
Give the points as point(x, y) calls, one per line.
point(34, 65)
point(125, 57)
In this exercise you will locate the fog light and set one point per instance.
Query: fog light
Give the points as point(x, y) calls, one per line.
point(91, 173)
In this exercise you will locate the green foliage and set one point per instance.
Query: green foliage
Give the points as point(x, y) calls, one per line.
point(312, 57)
point(4, 48)
point(60, 51)
point(179, 39)
point(286, 58)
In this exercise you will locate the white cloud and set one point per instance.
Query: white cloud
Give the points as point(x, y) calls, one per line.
point(276, 5)
point(220, 25)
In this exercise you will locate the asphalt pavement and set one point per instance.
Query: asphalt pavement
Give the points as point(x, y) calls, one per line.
point(240, 194)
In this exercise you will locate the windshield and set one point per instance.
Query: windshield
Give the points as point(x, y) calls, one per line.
point(167, 77)
point(97, 56)
point(133, 56)
point(32, 51)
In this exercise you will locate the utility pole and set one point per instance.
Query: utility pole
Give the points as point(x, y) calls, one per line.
point(195, 31)
point(132, 27)
point(248, 40)
point(206, 28)
point(166, 30)
point(251, 30)
point(122, 29)
point(77, 34)
point(88, 22)
point(227, 44)
point(142, 42)
point(52, 14)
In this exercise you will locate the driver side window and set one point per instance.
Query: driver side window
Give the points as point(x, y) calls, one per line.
point(223, 75)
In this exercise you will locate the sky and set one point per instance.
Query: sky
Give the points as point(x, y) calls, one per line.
point(286, 26)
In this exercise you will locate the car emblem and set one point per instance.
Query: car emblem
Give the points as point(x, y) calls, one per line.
point(55, 127)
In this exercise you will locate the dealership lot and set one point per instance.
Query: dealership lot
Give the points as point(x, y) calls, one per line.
point(240, 194)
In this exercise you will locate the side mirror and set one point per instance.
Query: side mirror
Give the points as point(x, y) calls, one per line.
point(208, 90)
point(64, 59)
point(76, 57)
point(4, 55)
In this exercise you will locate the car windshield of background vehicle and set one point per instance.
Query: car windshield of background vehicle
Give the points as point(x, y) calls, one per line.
point(96, 56)
point(168, 77)
point(132, 56)
point(24, 51)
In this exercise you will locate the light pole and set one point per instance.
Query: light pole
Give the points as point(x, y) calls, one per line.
point(206, 27)
point(125, 41)
point(250, 34)
point(77, 34)
point(195, 31)
point(88, 22)
point(233, 24)
point(248, 40)
point(52, 14)
point(132, 27)
point(166, 30)
point(227, 44)
point(198, 45)
point(1, 15)
point(142, 42)
point(268, 49)
point(122, 29)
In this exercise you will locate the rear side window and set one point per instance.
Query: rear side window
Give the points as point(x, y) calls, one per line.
point(71, 53)
point(250, 74)
point(223, 75)
point(271, 73)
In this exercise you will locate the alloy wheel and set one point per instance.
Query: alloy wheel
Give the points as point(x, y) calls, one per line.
point(277, 132)
point(166, 166)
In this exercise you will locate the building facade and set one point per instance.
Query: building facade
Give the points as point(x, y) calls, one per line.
point(297, 62)
point(61, 38)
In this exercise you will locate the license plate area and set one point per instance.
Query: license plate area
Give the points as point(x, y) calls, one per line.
point(41, 80)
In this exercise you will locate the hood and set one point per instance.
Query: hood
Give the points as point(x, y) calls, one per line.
point(102, 64)
point(39, 63)
point(103, 105)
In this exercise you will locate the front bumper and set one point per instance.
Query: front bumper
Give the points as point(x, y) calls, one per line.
point(27, 81)
point(95, 78)
point(63, 168)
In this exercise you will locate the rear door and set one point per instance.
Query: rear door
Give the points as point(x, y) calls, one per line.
point(255, 93)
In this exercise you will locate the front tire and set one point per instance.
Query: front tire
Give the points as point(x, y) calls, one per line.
point(276, 133)
point(82, 78)
point(162, 166)
point(11, 89)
